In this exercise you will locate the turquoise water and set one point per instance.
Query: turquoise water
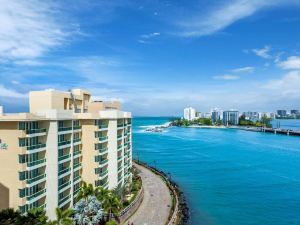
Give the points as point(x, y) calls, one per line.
point(286, 124)
point(229, 177)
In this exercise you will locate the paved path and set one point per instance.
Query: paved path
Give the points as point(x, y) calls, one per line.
point(156, 205)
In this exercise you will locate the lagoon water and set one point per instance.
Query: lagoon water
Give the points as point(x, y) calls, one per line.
point(229, 177)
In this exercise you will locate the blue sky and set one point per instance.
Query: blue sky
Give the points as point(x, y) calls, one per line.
point(155, 56)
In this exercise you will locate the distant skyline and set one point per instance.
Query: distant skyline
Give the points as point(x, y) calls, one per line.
point(156, 57)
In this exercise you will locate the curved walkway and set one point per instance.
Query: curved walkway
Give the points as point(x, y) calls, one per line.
point(156, 205)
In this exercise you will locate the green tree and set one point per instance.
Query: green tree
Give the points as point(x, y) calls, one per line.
point(112, 205)
point(86, 190)
point(10, 217)
point(101, 193)
point(63, 217)
point(36, 216)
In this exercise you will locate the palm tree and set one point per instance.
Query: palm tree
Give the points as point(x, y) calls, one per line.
point(85, 191)
point(63, 217)
point(35, 216)
point(101, 193)
point(112, 205)
point(10, 216)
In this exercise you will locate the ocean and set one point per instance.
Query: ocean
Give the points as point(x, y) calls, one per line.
point(229, 177)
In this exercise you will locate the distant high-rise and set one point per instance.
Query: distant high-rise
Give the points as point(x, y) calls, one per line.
point(295, 112)
point(281, 113)
point(231, 117)
point(189, 113)
point(215, 115)
point(253, 116)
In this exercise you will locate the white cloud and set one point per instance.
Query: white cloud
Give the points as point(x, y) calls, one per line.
point(292, 63)
point(219, 18)
point(288, 85)
point(5, 92)
point(247, 69)
point(263, 52)
point(227, 77)
point(151, 35)
point(28, 29)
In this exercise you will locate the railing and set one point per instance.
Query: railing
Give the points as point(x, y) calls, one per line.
point(132, 207)
point(76, 140)
point(60, 158)
point(76, 127)
point(119, 147)
point(64, 185)
point(120, 125)
point(36, 131)
point(76, 178)
point(119, 136)
point(36, 194)
point(37, 162)
point(104, 138)
point(120, 168)
point(63, 199)
point(64, 143)
point(103, 161)
point(63, 171)
point(103, 126)
point(101, 150)
point(38, 177)
point(76, 165)
point(103, 173)
point(76, 153)
point(64, 129)
point(33, 147)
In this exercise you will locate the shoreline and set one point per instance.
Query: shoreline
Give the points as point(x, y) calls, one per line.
point(179, 212)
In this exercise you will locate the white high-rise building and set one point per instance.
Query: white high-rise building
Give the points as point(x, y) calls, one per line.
point(189, 113)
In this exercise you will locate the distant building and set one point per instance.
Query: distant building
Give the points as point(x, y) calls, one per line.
point(1, 110)
point(253, 116)
point(206, 115)
point(270, 115)
point(281, 113)
point(215, 115)
point(189, 113)
point(231, 117)
point(294, 112)
point(198, 114)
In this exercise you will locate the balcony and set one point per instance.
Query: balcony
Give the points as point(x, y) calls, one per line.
point(76, 192)
point(104, 161)
point(61, 129)
point(76, 178)
point(62, 143)
point(36, 147)
point(120, 147)
point(64, 200)
point(103, 139)
point(35, 163)
point(120, 158)
point(103, 173)
point(120, 178)
point(62, 186)
point(37, 178)
point(103, 150)
point(77, 140)
point(37, 194)
point(120, 168)
point(76, 153)
point(120, 126)
point(119, 137)
point(61, 158)
point(75, 166)
point(36, 131)
point(63, 171)
point(77, 128)
point(102, 126)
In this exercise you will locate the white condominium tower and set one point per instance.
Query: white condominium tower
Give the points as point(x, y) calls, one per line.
point(189, 113)
point(64, 139)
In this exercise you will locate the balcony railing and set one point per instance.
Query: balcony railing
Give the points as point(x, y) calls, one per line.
point(60, 187)
point(36, 131)
point(104, 161)
point(64, 128)
point(34, 147)
point(101, 150)
point(64, 143)
point(119, 147)
point(76, 153)
point(40, 192)
point(119, 136)
point(76, 127)
point(104, 138)
point(120, 125)
point(76, 140)
point(60, 158)
point(103, 173)
point(103, 126)
point(76, 192)
point(76, 178)
point(64, 199)
point(34, 179)
point(120, 168)
point(63, 171)
point(37, 162)
point(76, 165)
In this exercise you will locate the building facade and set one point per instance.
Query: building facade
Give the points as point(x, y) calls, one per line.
point(281, 113)
point(189, 113)
point(215, 115)
point(64, 139)
point(230, 117)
